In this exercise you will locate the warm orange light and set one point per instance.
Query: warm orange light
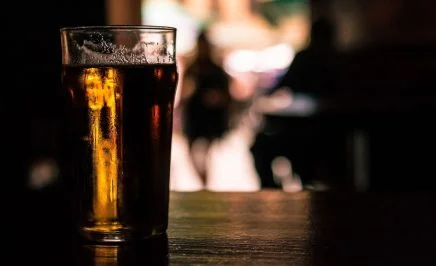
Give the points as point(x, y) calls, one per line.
point(106, 255)
point(158, 73)
point(155, 117)
point(101, 93)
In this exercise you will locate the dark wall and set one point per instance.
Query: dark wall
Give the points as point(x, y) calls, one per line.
point(392, 74)
point(32, 106)
point(33, 126)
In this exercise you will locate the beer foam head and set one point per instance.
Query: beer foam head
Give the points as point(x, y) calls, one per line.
point(112, 46)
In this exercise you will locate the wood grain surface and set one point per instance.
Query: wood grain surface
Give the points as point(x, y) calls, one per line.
point(276, 228)
point(263, 228)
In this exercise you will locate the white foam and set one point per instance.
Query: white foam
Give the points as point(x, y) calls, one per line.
point(98, 51)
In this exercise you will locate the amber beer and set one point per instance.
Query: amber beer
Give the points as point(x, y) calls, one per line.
point(121, 82)
point(123, 126)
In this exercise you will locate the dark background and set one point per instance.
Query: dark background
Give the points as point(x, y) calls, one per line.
point(392, 71)
point(34, 124)
point(388, 70)
point(32, 103)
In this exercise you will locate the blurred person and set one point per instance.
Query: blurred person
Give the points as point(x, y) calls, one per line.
point(312, 142)
point(206, 103)
point(314, 68)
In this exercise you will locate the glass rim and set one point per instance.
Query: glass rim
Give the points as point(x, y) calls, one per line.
point(126, 28)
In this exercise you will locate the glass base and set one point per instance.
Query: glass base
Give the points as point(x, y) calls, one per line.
point(103, 234)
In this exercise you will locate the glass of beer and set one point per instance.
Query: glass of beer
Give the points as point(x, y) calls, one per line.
point(121, 82)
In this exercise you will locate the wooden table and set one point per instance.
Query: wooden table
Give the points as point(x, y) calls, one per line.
point(275, 228)
point(262, 228)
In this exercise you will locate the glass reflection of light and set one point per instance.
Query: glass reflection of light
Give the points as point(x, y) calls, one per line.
point(147, 252)
point(101, 94)
point(106, 255)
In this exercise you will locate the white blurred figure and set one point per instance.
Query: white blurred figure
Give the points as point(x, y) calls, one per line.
point(230, 165)
point(284, 175)
point(183, 176)
point(199, 153)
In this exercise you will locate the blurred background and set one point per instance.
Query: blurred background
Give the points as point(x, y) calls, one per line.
point(283, 94)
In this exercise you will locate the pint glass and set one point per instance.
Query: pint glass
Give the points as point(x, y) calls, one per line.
point(121, 82)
